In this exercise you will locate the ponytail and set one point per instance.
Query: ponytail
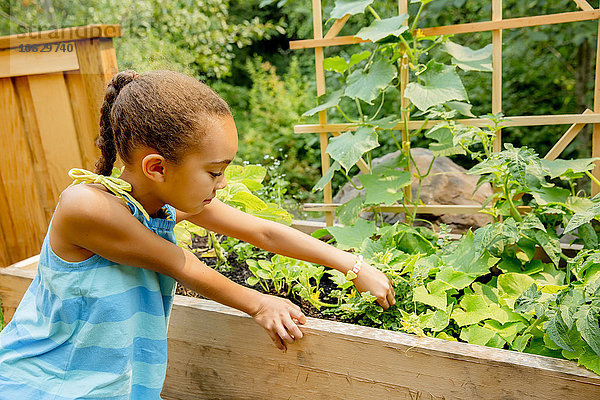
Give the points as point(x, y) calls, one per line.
point(106, 140)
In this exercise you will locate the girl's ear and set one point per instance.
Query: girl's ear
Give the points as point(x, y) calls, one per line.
point(153, 166)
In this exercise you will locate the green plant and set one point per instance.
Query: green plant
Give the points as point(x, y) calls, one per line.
point(242, 183)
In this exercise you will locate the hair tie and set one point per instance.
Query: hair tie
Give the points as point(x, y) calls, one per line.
point(135, 76)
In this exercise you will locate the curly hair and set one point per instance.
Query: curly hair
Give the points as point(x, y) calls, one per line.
point(164, 110)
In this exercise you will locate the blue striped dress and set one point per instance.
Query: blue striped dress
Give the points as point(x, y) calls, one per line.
point(91, 329)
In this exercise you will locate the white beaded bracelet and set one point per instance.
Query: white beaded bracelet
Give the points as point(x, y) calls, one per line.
point(353, 273)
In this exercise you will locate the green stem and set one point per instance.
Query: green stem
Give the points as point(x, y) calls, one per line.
point(344, 114)
point(408, 50)
point(370, 60)
point(396, 140)
point(592, 177)
point(513, 210)
point(350, 180)
point(380, 106)
point(360, 112)
point(373, 12)
point(414, 24)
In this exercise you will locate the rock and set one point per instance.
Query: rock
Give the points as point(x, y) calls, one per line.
point(447, 183)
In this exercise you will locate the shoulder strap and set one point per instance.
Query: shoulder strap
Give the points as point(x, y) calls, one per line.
point(118, 186)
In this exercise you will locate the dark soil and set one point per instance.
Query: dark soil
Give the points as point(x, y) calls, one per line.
point(239, 272)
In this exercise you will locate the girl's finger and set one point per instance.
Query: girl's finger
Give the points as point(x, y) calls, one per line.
point(391, 297)
point(292, 328)
point(277, 340)
point(283, 334)
point(298, 315)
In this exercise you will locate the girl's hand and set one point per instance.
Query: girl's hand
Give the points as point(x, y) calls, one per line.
point(279, 316)
point(373, 280)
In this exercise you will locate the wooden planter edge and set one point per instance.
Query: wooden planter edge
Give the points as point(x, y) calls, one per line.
point(217, 352)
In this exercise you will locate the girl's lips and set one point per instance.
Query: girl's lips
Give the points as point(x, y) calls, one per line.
point(208, 200)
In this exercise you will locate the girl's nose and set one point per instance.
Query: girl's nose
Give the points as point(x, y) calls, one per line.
point(222, 183)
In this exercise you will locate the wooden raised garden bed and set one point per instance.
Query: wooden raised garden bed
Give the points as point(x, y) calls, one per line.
point(216, 352)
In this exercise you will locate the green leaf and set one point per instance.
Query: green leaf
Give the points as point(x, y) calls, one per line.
point(476, 334)
point(349, 212)
point(337, 64)
point(385, 188)
point(544, 195)
point(560, 167)
point(327, 177)
point(349, 147)
point(366, 86)
point(249, 201)
point(252, 280)
point(588, 235)
point(558, 332)
point(273, 212)
point(438, 319)
point(512, 285)
point(386, 123)
point(461, 107)
point(250, 175)
point(507, 331)
point(583, 217)
point(382, 28)
point(434, 295)
point(457, 279)
point(521, 342)
point(462, 259)
point(468, 59)
point(352, 237)
point(440, 83)
point(586, 319)
point(445, 141)
point(358, 57)
point(332, 101)
point(473, 309)
point(549, 243)
point(343, 7)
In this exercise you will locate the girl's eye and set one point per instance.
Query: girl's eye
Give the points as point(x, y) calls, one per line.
point(216, 174)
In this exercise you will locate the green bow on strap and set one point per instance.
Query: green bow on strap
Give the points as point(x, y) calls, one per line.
point(118, 186)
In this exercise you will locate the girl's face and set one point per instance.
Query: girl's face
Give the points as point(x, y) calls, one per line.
point(192, 184)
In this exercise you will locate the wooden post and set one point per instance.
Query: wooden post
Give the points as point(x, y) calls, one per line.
point(324, 136)
point(596, 131)
point(404, 103)
point(497, 69)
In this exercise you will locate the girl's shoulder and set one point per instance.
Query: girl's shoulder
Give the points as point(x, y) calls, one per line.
point(79, 208)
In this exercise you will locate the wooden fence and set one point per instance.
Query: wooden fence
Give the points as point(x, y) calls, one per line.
point(496, 26)
point(52, 85)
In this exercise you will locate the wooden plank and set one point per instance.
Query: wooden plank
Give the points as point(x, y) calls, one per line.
point(43, 61)
point(23, 222)
point(337, 27)
point(61, 35)
point(48, 193)
point(497, 70)
point(565, 139)
point(6, 228)
point(485, 26)
point(57, 129)
point(435, 209)
point(14, 281)
point(98, 64)
point(87, 129)
point(584, 5)
point(320, 75)
point(216, 352)
point(596, 130)
point(527, 120)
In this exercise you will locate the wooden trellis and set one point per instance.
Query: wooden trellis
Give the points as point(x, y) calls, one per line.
point(496, 26)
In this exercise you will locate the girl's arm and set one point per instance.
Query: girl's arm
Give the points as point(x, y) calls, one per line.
point(100, 223)
point(278, 238)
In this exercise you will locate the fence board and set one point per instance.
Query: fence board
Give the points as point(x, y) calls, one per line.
point(21, 212)
point(48, 195)
point(56, 127)
point(16, 63)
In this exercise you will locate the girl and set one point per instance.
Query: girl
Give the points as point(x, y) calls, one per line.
point(93, 322)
